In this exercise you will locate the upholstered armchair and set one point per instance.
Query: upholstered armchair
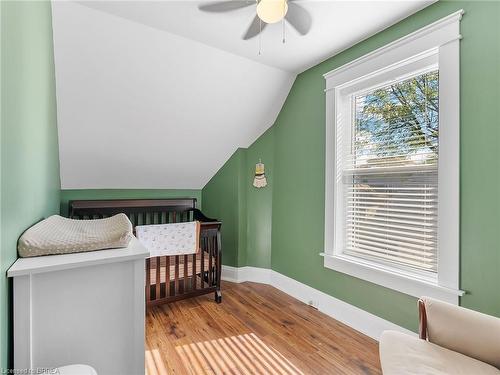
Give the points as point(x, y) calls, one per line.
point(453, 340)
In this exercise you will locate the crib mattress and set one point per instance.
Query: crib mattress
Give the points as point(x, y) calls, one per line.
point(163, 268)
point(60, 235)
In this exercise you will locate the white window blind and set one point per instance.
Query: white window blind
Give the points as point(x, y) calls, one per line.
point(390, 174)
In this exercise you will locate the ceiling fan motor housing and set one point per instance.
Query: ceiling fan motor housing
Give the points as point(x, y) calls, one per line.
point(272, 11)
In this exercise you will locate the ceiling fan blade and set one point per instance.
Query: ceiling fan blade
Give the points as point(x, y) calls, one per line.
point(254, 28)
point(225, 6)
point(299, 18)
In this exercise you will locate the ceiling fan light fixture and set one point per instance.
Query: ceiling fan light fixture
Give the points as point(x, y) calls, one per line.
point(272, 11)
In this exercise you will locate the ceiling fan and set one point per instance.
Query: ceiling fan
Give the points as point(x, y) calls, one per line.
point(268, 11)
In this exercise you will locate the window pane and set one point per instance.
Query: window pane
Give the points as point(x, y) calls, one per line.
point(398, 124)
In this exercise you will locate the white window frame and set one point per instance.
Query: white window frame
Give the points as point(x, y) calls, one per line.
point(439, 41)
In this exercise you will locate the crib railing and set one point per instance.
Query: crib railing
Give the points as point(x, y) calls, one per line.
point(175, 277)
point(168, 278)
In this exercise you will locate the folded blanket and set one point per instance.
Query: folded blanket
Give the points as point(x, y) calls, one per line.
point(170, 239)
point(59, 235)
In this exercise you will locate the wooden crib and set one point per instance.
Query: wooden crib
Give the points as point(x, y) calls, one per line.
point(168, 278)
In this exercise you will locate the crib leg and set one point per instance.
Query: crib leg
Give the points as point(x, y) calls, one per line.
point(218, 296)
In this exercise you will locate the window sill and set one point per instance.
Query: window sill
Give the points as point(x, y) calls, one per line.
point(391, 279)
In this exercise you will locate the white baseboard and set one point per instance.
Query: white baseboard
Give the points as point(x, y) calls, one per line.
point(242, 274)
point(230, 273)
point(361, 320)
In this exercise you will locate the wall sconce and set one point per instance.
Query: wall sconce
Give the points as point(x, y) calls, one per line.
point(260, 180)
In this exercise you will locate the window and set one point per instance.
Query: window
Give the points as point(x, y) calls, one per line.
point(392, 164)
point(390, 175)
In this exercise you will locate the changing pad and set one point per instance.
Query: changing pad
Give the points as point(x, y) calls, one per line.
point(59, 235)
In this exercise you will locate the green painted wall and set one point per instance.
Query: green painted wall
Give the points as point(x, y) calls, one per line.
point(29, 151)
point(67, 195)
point(297, 173)
point(259, 202)
point(225, 201)
point(245, 211)
point(480, 157)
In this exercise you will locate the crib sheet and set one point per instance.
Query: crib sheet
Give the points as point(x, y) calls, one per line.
point(170, 239)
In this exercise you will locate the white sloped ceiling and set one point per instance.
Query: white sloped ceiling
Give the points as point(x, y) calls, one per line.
point(140, 107)
point(156, 94)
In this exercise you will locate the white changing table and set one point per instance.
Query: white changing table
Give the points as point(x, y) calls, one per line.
point(81, 308)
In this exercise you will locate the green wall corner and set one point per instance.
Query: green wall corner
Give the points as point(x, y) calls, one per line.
point(245, 211)
point(225, 202)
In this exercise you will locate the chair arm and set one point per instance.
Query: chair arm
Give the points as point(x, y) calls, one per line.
point(459, 329)
point(422, 320)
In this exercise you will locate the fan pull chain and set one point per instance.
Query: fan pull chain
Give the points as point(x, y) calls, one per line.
point(260, 36)
point(283, 31)
point(283, 21)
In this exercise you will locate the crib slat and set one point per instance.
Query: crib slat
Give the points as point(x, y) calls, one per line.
point(176, 276)
point(216, 250)
point(185, 274)
point(167, 276)
point(148, 279)
point(195, 276)
point(214, 253)
point(174, 217)
point(158, 283)
point(202, 266)
point(210, 269)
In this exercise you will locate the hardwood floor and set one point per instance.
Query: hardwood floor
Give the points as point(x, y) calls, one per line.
point(257, 329)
